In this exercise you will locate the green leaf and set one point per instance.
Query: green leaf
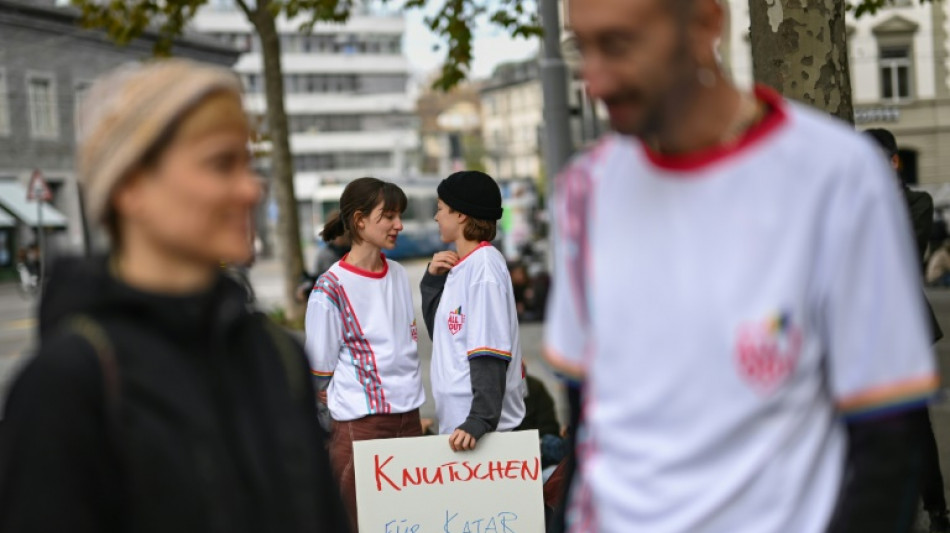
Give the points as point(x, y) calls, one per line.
point(871, 7)
point(455, 22)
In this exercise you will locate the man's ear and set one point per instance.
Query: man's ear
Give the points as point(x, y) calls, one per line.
point(709, 19)
point(896, 161)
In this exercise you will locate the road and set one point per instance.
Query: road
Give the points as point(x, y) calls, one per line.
point(17, 329)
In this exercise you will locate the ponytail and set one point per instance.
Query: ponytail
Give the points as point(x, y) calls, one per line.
point(333, 228)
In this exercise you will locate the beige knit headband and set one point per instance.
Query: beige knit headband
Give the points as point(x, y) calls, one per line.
point(126, 112)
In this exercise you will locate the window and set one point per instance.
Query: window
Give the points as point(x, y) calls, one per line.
point(223, 5)
point(4, 105)
point(241, 41)
point(41, 94)
point(252, 83)
point(342, 160)
point(292, 43)
point(895, 63)
point(81, 89)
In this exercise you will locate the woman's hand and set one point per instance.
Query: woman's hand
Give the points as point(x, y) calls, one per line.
point(322, 397)
point(461, 441)
point(442, 262)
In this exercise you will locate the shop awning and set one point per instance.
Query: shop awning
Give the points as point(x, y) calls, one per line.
point(13, 199)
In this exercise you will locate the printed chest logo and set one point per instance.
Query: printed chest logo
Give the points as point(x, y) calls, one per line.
point(456, 321)
point(414, 331)
point(767, 352)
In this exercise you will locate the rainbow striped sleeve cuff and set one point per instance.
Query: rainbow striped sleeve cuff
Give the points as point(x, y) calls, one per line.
point(489, 352)
point(887, 399)
point(321, 375)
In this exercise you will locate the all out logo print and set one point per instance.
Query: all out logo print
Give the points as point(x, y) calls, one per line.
point(414, 331)
point(456, 321)
point(767, 351)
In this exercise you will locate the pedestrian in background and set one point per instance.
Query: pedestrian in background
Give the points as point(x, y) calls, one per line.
point(361, 331)
point(158, 402)
point(736, 291)
point(469, 309)
point(920, 207)
point(326, 256)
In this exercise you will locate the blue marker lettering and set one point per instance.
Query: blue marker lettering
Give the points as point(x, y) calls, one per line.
point(504, 518)
point(448, 520)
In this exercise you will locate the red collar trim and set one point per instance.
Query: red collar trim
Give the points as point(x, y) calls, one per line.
point(483, 244)
point(776, 117)
point(365, 273)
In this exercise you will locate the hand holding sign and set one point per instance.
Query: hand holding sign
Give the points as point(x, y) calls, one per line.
point(461, 440)
point(419, 485)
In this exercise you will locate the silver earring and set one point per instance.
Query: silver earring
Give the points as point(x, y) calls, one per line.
point(706, 77)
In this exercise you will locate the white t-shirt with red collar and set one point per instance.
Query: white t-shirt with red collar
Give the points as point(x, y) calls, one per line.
point(361, 335)
point(476, 317)
point(727, 312)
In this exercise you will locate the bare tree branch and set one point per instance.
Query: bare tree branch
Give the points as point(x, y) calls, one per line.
point(247, 10)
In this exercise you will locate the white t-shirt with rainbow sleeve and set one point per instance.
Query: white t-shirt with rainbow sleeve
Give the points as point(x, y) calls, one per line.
point(727, 313)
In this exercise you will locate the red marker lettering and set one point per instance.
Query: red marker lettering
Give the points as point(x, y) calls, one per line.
point(436, 479)
point(407, 477)
point(527, 473)
point(511, 467)
point(496, 470)
point(477, 468)
point(471, 473)
point(453, 475)
point(380, 475)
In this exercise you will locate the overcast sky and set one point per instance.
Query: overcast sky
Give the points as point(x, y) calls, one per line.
point(492, 46)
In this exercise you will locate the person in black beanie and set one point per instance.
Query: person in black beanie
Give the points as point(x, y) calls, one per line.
point(469, 310)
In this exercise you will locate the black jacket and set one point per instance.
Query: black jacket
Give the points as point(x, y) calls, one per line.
point(921, 208)
point(212, 427)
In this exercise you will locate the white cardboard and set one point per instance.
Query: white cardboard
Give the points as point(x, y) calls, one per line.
point(419, 485)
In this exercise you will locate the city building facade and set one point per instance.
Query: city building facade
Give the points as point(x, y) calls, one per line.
point(899, 77)
point(47, 63)
point(450, 130)
point(349, 104)
point(512, 117)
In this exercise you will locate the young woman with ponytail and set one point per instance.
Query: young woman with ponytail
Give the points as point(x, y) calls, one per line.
point(361, 331)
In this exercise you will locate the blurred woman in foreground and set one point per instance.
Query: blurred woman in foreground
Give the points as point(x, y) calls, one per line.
point(158, 401)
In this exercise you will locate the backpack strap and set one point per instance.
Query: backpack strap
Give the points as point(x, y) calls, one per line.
point(289, 358)
point(96, 336)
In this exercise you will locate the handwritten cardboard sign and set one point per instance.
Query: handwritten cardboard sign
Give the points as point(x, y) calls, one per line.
point(419, 485)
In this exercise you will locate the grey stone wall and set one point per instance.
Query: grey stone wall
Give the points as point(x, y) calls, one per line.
point(47, 41)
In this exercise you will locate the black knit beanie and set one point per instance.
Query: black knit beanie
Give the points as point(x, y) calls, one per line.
point(472, 193)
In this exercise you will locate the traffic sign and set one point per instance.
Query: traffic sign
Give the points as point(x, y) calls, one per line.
point(38, 188)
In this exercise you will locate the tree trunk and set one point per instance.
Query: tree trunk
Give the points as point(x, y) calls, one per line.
point(800, 48)
point(282, 169)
